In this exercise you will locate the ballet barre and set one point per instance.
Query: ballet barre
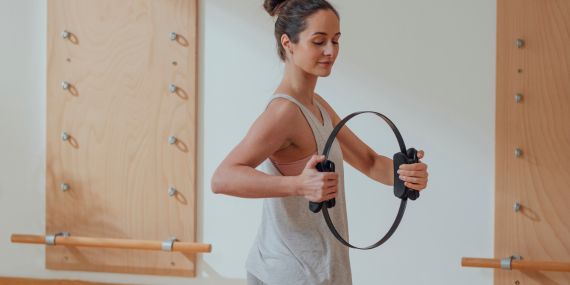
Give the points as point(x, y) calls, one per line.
point(516, 262)
point(65, 239)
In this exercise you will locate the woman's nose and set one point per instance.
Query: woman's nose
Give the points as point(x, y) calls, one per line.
point(329, 49)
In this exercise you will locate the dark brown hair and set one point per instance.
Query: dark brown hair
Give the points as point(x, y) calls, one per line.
point(292, 16)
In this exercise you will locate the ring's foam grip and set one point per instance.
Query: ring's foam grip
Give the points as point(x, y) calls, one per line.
point(326, 166)
point(400, 190)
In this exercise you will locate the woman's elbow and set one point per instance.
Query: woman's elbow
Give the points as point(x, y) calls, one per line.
point(217, 183)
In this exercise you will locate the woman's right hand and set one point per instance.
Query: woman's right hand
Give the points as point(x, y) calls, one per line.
point(317, 186)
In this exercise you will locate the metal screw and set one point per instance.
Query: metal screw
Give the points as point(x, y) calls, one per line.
point(517, 206)
point(64, 187)
point(64, 85)
point(65, 34)
point(518, 152)
point(64, 136)
point(172, 191)
point(518, 98)
point(519, 43)
point(172, 88)
point(172, 140)
point(173, 36)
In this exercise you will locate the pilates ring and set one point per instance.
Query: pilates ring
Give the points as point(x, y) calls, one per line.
point(402, 192)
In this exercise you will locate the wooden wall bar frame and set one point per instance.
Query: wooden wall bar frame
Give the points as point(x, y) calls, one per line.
point(532, 115)
point(111, 175)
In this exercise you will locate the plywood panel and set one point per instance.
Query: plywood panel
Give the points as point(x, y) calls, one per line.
point(540, 126)
point(119, 113)
point(27, 281)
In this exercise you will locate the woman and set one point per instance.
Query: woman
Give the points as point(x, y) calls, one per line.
point(294, 245)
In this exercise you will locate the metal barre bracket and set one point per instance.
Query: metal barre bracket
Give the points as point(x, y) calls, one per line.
point(506, 263)
point(50, 239)
point(167, 244)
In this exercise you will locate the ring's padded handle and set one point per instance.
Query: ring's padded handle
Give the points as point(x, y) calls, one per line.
point(326, 166)
point(400, 190)
point(315, 207)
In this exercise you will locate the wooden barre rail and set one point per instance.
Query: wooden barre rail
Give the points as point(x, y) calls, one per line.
point(186, 247)
point(531, 265)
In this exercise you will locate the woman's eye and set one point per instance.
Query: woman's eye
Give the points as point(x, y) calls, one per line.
point(321, 43)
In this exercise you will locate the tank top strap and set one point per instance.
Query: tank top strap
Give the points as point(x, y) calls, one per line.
point(315, 123)
point(327, 121)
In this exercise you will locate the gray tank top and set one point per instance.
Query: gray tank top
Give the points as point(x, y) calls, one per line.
point(294, 245)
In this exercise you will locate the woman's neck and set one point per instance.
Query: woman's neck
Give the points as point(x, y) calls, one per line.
point(298, 83)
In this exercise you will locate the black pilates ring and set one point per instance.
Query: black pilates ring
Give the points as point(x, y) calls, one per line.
point(408, 156)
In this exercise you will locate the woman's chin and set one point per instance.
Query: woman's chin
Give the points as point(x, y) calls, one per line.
point(320, 72)
point(324, 73)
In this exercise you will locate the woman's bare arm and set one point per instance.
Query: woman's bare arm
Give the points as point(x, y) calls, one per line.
point(237, 176)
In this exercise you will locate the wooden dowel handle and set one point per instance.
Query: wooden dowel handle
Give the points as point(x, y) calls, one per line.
point(530, 265)
point(27, 238)
point(187, 247)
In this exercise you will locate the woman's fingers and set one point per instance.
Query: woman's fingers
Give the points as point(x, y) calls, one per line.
point(331, 189)
point(420, 154)
point(415, 180)
point(330, 176)
point(414, 186)
point(330, 183)
point(330, 196)
point(414, 166)
point(413, 173)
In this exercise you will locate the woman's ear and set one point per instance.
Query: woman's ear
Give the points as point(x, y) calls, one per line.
point(286, 43)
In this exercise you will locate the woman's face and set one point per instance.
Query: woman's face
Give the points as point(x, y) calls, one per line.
point(318, 44)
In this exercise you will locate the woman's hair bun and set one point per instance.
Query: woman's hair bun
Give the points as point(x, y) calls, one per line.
point(273, 6)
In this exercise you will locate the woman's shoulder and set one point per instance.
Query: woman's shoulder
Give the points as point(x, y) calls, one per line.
point(282, 106)
point(282, 111)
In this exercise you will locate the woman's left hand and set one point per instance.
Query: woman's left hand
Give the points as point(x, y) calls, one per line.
point(415, 176)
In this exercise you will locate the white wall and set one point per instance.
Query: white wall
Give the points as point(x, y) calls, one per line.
point(428, 65)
